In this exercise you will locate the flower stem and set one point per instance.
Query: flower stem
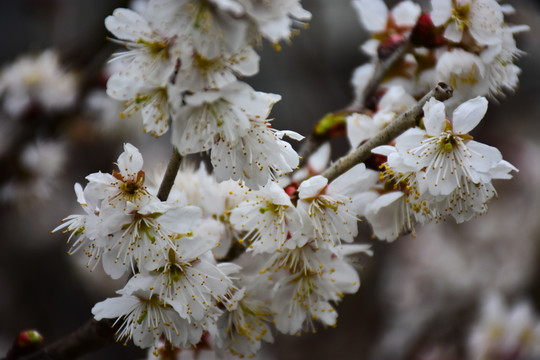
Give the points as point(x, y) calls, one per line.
point(405, 121)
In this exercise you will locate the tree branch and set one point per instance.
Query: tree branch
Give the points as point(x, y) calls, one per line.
point(170, 175)
point(382, 67)
point(90, 337)
point(405, 121)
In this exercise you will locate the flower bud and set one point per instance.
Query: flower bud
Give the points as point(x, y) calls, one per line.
point(426, 34)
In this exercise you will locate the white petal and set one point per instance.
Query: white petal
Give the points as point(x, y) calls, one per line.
point(483, 157)
point(442, 10)
point(434, 117)
point(138, 283)
point(312, 187)
point(181, 220)
point(354, 180)
point(406, 13)
point(502, 170)
point(468, 115)
point(453, 33)
point(384, 150)
point(372, 13)
point(292, 134)
point(486, 21)
point(229, 268)
point(115, 307)
point(278, 195)
point(126, 24)
point(248, 63)
point(115, 269)
point(130, 161)
point(370, 47)
point(351, 249)
point(360, 127)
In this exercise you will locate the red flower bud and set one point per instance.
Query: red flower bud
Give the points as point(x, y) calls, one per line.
point(426, 34)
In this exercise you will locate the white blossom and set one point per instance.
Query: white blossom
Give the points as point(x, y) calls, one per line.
point(244, 325)
point(37, 80)
point(275, 19)
point(444, 155)
point(500, 331)
point(222, 113)
point(121, 186)
point(316, 278)
point(333, 209)
point(268, 218)
point(258, 157)
point(482, 18)
point(144, 318)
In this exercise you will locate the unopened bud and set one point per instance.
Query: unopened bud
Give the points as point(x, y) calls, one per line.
point(389, 45)
point(29, 338)
point(426, 34)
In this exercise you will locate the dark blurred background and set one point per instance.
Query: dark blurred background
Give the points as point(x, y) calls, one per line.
point(45, 289)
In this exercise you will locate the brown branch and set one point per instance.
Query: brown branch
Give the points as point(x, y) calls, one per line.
point(170, 175)
point(382, 67)
point(405, 121)
point(90, 337)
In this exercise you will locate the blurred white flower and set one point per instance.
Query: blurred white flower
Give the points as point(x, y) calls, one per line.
point(37, 80)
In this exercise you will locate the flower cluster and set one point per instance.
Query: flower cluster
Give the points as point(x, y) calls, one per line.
point(501, 332)
point(465, 43)
point(436, 171)
point(181, 70)
point(178, 290)
point(231, 257)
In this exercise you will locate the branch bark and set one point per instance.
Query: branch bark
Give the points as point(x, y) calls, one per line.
point(170, 175)
point(405, 121)
point(382, 67)
point(90, 337)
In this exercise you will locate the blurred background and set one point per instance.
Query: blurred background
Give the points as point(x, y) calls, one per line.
point(420, 296)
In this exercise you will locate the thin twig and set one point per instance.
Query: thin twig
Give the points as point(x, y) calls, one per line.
point(382, 67)
point(170, 175)
point(405, 121)
point(90, 337)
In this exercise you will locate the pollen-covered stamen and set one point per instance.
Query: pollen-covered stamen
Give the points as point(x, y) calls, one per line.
point(156, 48)
point(460, 15)
point(295, 261)
point(203, 64)
point(150, 315)
point(393, 181)
point(130, 187)
point(202, 16)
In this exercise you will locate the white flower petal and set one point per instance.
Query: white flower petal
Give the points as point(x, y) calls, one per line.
point(312, 187)
point(442, 10)
point(406, 13)
point(130, 161)
point(112, 308)
point(468, 115)
point(434, 117)
point(372, 13)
